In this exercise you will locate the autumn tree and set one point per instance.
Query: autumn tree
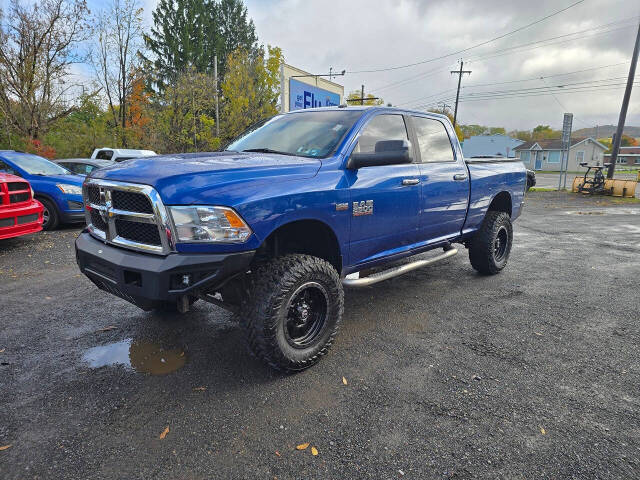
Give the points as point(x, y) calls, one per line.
point(544, 132)
point(138, 113)
point(251, 89)
point(38, 44)
point(117, 61)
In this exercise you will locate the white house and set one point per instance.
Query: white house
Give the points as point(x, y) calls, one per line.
point(547, 154)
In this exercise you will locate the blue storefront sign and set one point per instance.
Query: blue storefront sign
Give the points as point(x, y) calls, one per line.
point(302, 95)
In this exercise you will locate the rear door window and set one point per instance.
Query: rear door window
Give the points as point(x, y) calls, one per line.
point(433, 139)
point(380, 128)
point(7, 169)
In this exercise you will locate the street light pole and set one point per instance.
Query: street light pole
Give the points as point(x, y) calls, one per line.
point(625, 106)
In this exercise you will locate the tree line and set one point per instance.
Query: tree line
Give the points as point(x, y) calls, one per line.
point(152, 89)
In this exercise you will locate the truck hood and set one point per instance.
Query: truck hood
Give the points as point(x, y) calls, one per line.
point(197, 177)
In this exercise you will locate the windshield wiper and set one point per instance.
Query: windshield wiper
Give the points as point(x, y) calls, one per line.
point(267, 150)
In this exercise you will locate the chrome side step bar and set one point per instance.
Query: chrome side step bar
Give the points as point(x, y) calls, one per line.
point(353, 281)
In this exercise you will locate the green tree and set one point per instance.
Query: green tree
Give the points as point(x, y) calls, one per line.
point(190, 33)
point(544, 132)
point(369, 98)
point(524, 135)
point(184, 120)
point(250, 89)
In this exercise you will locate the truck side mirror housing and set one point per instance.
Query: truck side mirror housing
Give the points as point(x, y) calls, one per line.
point(387, 152)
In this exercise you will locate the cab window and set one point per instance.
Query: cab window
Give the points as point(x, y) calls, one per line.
point(433, 140)
point(380, 128)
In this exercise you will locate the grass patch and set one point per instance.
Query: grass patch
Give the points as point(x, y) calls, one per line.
point(544, 189)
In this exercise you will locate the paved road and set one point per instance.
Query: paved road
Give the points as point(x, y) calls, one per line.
point(532, 373)
point(550, 180)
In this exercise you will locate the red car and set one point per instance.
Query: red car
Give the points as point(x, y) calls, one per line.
point(19, 212)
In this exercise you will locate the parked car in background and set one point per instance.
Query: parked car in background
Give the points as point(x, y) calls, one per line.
point(59, 190)
point(120, 154)
point(20, 213)
point(83, 166)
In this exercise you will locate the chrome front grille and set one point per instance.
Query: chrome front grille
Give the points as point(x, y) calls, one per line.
point(128, 215)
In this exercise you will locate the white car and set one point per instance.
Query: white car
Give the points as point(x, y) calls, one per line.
point(120, 154)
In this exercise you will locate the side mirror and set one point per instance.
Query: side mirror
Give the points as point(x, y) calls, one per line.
point(386, 152)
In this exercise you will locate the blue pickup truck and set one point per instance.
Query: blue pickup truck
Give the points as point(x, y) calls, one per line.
point(297, 207)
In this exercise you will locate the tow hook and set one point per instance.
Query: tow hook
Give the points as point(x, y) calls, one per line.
point(183, 304)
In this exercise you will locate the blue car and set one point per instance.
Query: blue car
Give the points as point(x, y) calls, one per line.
point(59, 191)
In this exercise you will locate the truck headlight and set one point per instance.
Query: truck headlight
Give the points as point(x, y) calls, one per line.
point(69, 189)
point(209, 224)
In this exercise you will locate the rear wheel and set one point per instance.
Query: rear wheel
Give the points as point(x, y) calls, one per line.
point(295, 308)
point(50, 214)
point(489, 249)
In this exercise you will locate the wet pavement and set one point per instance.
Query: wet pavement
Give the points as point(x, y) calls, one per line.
point(530, 373)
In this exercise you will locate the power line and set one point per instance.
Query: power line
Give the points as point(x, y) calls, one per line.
point(477, 85)
point(510, 50)
point(471, 47)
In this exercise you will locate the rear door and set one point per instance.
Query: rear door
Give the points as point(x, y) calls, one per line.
point(444, 180)
point(384, 199)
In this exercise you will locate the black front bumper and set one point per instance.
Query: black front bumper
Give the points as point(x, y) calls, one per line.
point(148, 280)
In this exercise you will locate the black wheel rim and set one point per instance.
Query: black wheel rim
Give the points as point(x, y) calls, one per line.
point(45, 216)
point(500, 244)
point(307, 311)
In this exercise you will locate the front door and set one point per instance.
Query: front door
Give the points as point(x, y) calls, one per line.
point(538, 161)
point(384, 199)
point(444, 180)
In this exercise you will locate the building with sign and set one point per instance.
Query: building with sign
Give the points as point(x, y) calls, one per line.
point(300, 90)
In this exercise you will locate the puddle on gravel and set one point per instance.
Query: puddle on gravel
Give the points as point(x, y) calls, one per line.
point(143, 357)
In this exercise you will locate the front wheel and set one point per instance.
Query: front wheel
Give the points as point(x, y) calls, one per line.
point(490, 247)
point(294, 311)
point(50, 215)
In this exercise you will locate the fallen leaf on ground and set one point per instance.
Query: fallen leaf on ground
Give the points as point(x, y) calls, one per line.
point(2, 351)
point(314, 451)
point(344, 381)
point(164, 433)
point(302, 446)
point(106, 329)
point(278, 453)
point(199, 389)
point(543, 431)
point(4, 447)
point(537, 333)
point(182, 354)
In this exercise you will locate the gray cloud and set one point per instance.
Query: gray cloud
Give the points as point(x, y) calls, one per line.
point(360, 35)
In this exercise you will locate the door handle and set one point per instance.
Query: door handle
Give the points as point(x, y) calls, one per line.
point(410, 181)
point(458, 177)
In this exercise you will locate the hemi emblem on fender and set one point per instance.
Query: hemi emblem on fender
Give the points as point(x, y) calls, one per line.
point(342, 206)
point(364, 207)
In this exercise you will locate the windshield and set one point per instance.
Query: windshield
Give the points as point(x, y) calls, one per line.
point(35, 165)
point(307, 134)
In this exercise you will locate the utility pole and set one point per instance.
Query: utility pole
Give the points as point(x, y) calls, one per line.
point(444, 106)
point(625, 105)
point(459, 73)
point(330, 70)
point(215, 76)
point(362, 95)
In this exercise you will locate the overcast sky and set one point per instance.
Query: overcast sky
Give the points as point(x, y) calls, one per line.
point(359, 35)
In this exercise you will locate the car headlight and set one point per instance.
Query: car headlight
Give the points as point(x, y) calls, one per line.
point(69, 189)
point(209, 224)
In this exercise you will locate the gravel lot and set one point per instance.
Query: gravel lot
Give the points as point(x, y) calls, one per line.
point(530, 373)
